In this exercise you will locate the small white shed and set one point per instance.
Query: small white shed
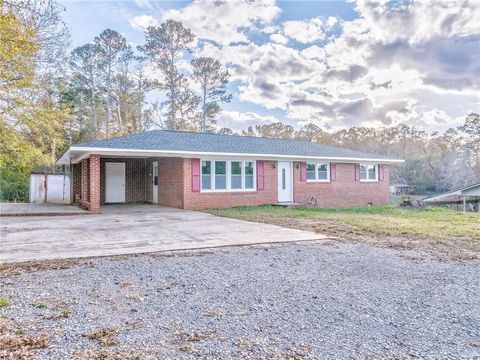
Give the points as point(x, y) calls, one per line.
point(48, 188)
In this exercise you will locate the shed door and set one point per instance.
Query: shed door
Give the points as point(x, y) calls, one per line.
point(114, 182)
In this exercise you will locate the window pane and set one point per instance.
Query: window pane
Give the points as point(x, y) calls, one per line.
point(249, 168)
point(372, 172)
point(363, 172)
point(220, 175)
point(236, 175)
point(322, 171)
point(206, 175)
point(206, 167)
point(206, 182)
point(283, 179)
point(310, 171)
point(249, 175)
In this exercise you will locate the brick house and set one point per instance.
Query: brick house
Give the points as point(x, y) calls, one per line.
point(198, 171)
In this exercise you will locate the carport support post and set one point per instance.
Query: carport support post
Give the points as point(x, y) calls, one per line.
point(94, 184)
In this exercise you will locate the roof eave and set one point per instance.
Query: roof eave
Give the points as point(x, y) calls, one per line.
point(84, 152)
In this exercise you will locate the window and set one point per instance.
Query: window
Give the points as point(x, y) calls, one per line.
point(220, 175)
point(206, 175)
point(236, 182)
point(310, 171)
point(322, 170)
point(368, 172)
point(318, 172)
point(249, 184)
point(284, 178)
point(228, 175)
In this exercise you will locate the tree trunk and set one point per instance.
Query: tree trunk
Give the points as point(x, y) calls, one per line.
point(109, 115)
point(204, 107)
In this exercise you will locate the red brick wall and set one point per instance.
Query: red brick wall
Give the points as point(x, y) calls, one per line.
point(175, 187)
point(76, 181)
point(85, 182)
point(135, 179)
point(170, 181)
point(94, 183)
point(345, 191)
point(199, 200)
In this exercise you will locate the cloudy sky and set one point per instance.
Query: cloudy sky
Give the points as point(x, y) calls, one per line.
point(336, 64)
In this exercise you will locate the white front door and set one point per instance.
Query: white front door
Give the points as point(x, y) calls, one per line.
point(284, 181)
point(155, 182)
point(114, 182)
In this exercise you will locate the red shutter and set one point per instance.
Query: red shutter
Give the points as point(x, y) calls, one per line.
point(303, 171)
point(195, 175)
point(260, 175)
point(333, 172)
point(357, 172)
point(381, 173)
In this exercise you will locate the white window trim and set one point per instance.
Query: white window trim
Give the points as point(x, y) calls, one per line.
point(376, 172)
point(317, 180)
point(229, 176)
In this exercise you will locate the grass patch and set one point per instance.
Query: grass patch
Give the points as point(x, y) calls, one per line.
point(438, 230)
point(4, 302)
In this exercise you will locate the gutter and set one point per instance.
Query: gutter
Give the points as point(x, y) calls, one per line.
point(65, 159)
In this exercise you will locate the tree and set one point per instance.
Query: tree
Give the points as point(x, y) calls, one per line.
point(164, 45)
point(85, 63)
point(471, 145)
point(187, 104)
point(313, 133)
point(113, 49)
point(209, 74)
point(31, 118)
point(142, 86)
point(276, 130)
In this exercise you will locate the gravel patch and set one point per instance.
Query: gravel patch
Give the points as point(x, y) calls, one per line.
point(308, 300)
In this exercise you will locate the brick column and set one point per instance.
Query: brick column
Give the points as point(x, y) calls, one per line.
point(84, 186)
point(95, 183)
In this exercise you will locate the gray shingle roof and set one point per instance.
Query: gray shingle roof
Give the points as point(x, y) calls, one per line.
point(216, 143)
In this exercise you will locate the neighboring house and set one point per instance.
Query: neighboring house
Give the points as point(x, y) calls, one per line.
point(199, 171)
point(400, 188)
point(464, 199)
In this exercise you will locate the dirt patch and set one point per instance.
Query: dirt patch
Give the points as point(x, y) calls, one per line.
point(16, 344)
point(10, 269)
point(118, 353)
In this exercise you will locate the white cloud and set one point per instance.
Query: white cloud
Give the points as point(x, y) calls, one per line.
point(279, 39)
point(304, 31)
point(143, 4)
point(224, 21)
point(395, 62)
point(142, 22)
point(314, 52)
point(331, 22)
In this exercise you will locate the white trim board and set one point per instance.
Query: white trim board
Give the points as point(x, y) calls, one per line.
point(85, 152)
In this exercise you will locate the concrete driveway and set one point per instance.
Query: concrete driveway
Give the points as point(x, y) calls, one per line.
point(128, 230)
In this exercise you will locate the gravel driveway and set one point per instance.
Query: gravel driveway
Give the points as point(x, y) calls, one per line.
point(314, 300)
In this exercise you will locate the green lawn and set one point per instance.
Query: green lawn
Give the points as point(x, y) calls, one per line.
point(436, 230)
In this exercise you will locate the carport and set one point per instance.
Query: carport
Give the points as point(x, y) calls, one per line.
point(105, 179)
